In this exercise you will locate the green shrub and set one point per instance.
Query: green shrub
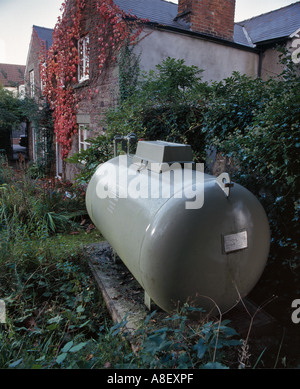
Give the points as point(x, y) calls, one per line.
point(161, 105)
point(230, 105)
point(173, 344)
point(164, 105)
point(178, 343)
point(37, 207)
point(100, 151)
point(10, 117)
point(265, 149)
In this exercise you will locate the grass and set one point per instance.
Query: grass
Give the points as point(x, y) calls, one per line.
point(49, 296)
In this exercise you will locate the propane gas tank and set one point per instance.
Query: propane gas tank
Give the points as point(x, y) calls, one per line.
point(198, 239)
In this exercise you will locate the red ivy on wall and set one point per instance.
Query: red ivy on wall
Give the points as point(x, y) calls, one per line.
point(113, 28)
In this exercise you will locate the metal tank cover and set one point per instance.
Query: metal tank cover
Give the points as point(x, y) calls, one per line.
point(185, 236)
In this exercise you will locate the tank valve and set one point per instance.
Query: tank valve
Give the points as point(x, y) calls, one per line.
point(225, 183)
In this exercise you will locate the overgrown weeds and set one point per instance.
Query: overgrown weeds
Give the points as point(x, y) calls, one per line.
point(181, 343)
point(36, 208)
point(49, 293)
point(51, 300)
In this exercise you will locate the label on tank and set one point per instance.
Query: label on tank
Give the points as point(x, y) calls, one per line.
point(235, 242)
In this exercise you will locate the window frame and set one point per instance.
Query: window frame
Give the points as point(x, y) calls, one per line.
point(83, 144)
point(42, 68)
point(31, 83)
point(84, 59)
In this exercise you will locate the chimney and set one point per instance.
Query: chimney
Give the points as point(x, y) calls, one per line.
point(212, 17)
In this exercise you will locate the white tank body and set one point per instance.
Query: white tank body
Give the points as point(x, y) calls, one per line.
point(206, 256)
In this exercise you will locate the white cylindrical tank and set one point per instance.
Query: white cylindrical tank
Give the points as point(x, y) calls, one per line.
point(208, 250)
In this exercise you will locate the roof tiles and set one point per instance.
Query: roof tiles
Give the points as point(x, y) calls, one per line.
point(45, 35)
point(276, 24)
point(11, 75)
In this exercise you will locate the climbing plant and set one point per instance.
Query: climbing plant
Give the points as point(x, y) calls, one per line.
point(110, 28)
point(40, 117)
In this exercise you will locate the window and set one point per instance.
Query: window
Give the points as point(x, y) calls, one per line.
point(43, 144)
point(84, 60)
point(83, 136)
point(34, 144)
point(31, 83)
point(59, 163)
point(42, 70)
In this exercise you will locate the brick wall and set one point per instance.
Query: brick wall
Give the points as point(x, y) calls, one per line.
point(100, 91)
point(96, 94)
point(33, 63)
point(184, 5)
point(213, 17)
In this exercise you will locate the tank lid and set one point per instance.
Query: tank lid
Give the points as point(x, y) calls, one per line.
point(164, 152)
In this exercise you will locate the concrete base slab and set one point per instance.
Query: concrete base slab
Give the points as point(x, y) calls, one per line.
point(124, 297)
point(122, 294)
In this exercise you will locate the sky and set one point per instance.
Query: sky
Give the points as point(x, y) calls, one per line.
point(18, 16)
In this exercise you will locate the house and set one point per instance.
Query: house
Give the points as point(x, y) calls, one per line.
point(12, 78)
point(84, 75)
point(41, 41)
point(205, 35)
point(270, 30)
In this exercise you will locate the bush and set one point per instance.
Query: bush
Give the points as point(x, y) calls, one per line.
point(161, 105)
point(100, 151)
point(10, 117)
point(178, 343)
point(41, 121)
point(265, 149)
point(37, 207)
point(230, 105)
